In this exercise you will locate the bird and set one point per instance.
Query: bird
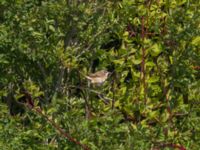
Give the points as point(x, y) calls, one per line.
point(98, 77)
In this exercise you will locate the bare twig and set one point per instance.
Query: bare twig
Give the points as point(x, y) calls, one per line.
point(106, 99)
point(58, 128)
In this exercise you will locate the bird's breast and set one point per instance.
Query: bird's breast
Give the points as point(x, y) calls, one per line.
point(98, 80)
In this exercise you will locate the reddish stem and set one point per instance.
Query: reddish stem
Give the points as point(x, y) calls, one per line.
point(143, 60)
point(58, 128)
point(180, 147)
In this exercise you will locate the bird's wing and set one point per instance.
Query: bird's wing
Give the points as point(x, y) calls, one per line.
point(88, 77)
point(96, 74)
point(93, 75)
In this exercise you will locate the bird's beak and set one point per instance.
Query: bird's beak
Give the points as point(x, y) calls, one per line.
point(109, 73)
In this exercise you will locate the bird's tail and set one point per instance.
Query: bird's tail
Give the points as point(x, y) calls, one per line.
point(87, 77)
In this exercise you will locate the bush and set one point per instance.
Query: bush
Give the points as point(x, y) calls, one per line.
point(149, 101)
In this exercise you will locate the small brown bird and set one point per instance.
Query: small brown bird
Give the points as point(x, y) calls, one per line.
point(98, 77)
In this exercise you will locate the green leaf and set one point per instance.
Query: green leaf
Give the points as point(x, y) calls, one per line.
point(52, 28)
point(153, 79)
point(155, 50)
point(196, 41)
point(150, 64)
point(119, 61)
point(37, 34)
point(136, 61)
point(3, 59)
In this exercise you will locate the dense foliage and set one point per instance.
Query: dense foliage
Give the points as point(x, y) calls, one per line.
point(151, 99)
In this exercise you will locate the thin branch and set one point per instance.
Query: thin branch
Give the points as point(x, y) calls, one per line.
point(58, 128)
point(143, 75)
point(106, 99)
